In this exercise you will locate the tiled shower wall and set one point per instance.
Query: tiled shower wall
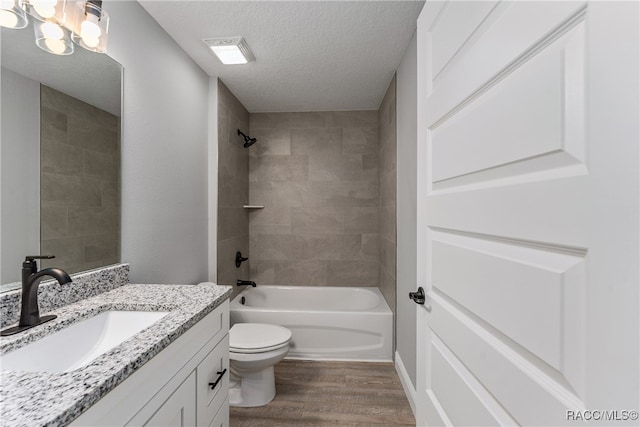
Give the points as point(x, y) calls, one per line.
point(387, 224)
point(233, 188)
point(80, 183)
point(316, 173)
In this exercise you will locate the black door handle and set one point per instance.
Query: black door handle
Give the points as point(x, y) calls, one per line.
point(418, 297)
point(220, 375)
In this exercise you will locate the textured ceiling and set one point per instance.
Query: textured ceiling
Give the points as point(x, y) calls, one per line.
point(310, 55)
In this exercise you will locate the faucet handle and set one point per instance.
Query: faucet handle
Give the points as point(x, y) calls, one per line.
point(30, 258)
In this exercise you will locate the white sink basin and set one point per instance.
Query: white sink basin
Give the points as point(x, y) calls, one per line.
point(79, 344)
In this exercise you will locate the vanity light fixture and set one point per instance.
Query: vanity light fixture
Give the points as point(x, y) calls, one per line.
point(58, 24)
point(12, 14)
point(230, 50)
point(90, 25)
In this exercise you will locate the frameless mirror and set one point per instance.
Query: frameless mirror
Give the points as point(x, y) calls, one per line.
point(60, 157)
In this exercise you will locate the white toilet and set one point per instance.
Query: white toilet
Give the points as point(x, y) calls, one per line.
point(254, 348)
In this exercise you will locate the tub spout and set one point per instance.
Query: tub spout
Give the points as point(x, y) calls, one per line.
point(245, 283)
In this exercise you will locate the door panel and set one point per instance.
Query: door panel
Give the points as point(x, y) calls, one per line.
point(510, 251)
point(539, 108)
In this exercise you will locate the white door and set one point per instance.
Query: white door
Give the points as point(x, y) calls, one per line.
point(528, 213)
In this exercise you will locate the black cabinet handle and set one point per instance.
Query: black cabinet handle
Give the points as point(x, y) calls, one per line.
point(220, 375)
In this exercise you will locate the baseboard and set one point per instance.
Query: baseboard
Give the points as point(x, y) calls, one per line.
point(409, 390)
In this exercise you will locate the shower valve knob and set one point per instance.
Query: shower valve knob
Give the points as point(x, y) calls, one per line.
point(240, 259)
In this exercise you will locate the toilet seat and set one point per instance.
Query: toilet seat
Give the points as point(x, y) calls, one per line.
point(250, 338)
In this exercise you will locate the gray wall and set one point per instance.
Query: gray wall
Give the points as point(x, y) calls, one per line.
point(20, 140)
point(80, 183)
point(407, 193)
point(316, 174)
point(233, 188)
point(387, 225)
point(164, 151)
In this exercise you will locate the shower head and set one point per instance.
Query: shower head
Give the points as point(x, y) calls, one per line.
point(248, 141)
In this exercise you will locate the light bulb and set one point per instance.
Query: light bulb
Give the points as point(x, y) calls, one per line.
point(90, 31)
point(12, 15)
point(44, 8)
point(56, 46)
point(8, 19)
point(52, 31)
point(91, 41)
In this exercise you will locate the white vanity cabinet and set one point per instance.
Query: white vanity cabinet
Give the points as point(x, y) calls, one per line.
point(186, 384)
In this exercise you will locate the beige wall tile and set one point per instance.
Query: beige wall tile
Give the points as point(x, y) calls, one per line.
point(301, 273)
point(263, 272)
point(360, 140)
point(352, 273)
point(360, 219)
point(329, 247)
point(321, 216)
point(353, 193)
point(288, 193)
point(232, 222)
point(281, 168)
point(287, 120)
point(80, 175)
point(62, 158)
point(317, 220)
point(68, 251)
point(388, 189)
point(313, 142)
point(270, 215)
point(90, 136)
point(388, 287)
point(102, 166)
point(93, 220)
point(101, 247)
point(387, 216)
point(370, 247)
point(54, 222)
point(388, 255)
point(388, 223)
point(63, 190)
point(335, 166)
point(271, 142)
point(233, 189)
point(352, 119)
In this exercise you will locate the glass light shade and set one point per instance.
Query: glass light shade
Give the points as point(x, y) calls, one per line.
point(52, 38)
point(89, 25)
point(12, 14)
point(48, 10)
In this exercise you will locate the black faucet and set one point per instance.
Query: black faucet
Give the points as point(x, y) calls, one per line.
point(31, 277)
point(245, 283)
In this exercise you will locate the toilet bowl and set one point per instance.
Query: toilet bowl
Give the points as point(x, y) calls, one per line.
point(254, 348)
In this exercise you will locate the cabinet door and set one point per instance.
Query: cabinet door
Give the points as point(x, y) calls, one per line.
point(214, 369)
point(179, 409)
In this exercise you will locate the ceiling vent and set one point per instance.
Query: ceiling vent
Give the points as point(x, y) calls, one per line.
point(230, 50)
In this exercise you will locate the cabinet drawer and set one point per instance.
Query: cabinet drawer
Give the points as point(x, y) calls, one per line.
point(179, 410)
point(222, 418)
point(208, 372)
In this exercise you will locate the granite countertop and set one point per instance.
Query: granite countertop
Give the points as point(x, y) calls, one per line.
point(52, 399)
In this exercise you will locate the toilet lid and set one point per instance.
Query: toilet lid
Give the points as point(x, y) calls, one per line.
point(249, 337)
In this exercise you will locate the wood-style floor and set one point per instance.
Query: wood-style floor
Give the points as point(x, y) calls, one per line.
point(350, 394)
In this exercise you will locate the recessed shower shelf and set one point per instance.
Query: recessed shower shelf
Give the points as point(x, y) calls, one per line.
point(253, 206)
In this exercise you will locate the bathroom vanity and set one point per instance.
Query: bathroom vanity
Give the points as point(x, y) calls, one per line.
point(174, 372)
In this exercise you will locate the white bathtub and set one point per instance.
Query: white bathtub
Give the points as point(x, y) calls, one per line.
point(328, 323)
